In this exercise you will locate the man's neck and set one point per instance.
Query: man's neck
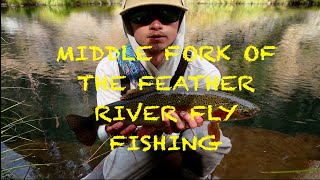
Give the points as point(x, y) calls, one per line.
point(156, 58)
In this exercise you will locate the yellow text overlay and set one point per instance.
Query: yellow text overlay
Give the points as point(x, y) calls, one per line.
point(228, 83)
point(159, 143)
point(204, 52)
point(147, 113)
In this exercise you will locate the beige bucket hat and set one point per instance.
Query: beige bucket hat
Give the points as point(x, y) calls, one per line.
point(130, 4)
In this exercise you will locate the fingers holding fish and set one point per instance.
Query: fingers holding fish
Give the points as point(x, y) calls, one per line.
point(167, 125)
point(119, 128)
point(113, 129)
point(199, 120)
point(180, 124)
point(184, 121)
point(128, 130)
point(187, 117)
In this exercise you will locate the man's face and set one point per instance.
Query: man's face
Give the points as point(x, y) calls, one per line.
point(154, 27)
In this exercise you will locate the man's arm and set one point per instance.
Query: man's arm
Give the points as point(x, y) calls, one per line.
point(107, 69)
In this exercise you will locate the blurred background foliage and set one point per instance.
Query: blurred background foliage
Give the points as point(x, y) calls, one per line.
point(81, 2)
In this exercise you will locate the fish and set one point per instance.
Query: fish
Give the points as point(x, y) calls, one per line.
point(85, 128)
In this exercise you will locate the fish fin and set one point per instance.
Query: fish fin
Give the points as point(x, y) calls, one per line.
point(83, 127)
point(133, 93)
point(214, 129)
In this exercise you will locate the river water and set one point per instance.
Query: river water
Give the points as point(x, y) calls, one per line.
point(287, 85)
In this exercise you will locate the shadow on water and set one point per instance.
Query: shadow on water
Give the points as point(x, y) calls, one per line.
point(284, 136)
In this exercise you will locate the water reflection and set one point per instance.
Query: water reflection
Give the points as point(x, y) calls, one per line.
point(287, 84)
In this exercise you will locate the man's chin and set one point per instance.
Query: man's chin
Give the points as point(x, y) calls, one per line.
point(156, 48)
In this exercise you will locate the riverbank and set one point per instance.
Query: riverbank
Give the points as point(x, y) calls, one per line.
point(6, 3)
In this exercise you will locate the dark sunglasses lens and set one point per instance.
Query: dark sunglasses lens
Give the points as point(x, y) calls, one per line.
point(146, 17)
point(141, 17)
point(168, 16)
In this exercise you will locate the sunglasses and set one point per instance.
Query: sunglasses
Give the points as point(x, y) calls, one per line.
point(146, 16)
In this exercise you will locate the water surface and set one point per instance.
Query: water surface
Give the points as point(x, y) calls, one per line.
point(287, 84)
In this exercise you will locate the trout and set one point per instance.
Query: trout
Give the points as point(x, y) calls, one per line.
point(220, 103)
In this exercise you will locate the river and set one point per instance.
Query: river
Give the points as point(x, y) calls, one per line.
point(284, 136)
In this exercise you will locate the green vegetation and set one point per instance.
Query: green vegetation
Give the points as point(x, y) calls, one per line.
point(79, 2)
point(18, 131)
point(16, 128)
point(57, 2)
point(275, 2)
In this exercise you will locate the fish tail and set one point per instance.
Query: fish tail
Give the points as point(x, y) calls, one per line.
point(214, 129)
point(83, 127)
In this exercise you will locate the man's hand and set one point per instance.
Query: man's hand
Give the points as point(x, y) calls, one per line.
point(120, 128)
point(184, 121)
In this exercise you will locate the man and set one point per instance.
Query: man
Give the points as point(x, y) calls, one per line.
point(156, 23)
